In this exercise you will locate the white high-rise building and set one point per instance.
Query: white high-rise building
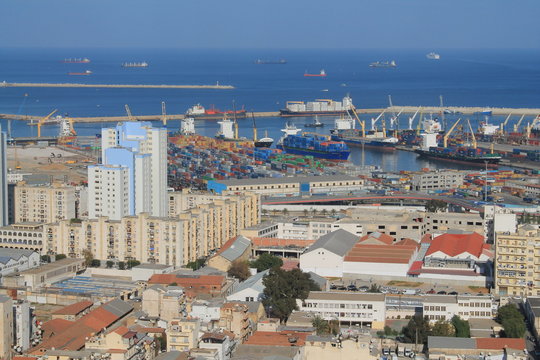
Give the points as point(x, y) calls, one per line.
point(3, 180)
point(133, 175)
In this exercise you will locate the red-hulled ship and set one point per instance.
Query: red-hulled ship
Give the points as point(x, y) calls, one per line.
point(198, 111)
point(322, 73)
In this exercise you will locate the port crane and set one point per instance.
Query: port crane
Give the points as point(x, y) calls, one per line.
point(445, 138)
point(420, 120)
point(254, 127)
point(374, 120)
point(163, 113)
point(411, 119)
point(42, 121)
point(535, 122)
point(517, 125)
point(362, 123)
point(474, 143)
point(128, 112)
point(503, 125)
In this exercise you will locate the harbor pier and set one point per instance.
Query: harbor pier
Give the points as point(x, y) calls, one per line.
point(133, 86)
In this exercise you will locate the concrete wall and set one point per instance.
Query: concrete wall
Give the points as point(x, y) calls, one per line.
point(322, 262)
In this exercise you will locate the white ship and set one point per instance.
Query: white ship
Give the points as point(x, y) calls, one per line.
point(433, 56)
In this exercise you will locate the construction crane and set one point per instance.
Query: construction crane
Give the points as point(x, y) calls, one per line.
point(474, 143)
point(163, 113)
point(445, 138)
point(42, 121)
point(128, 112)
point(411, 118)
point(362, 123)
point(516, 125)
point(503, 125)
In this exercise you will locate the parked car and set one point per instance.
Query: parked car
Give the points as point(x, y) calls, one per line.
point(431, 292)
point(352, 287)
point(442, 292)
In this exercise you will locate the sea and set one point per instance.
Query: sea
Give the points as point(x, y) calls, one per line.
point(485, 78)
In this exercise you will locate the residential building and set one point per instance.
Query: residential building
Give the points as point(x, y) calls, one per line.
point(122, 344)
point(444, 307)
point(6, 326)
point(183, 334)
point(236, 249)
point(441, 222)
point(437, 180)
point(23, 325)
point(44, 204)
point(234, 317)
point(134, 156)
point(288, 186)
point(208, 311)
point(532, 313)
point(15, 260)
point(362, 309)
point(165, 303)
point(222, 341)
point(45, 274)
point(329, 347)
point(3, 179)
point(266, 345)
point(73, 311)
point(22, 236)
point(516, 259)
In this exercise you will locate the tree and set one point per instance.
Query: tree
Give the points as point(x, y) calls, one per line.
point(133, 263)
point(462, 327)
point(95, 263)
point(508, 311)
point(282, 288)
point(324, 212)
point(46, 258)
point(197, 264)
point(121, 265)
point(436, 205)
point(443, 328)
point(285, 212)
point(88, 257)
point(161, 342)
point(110, 264)
point(333, 212)
point(60, 257)
point(324, 327)
point(374, 288)
point(240, 270)
point(417, 329)
point(514, 328)
point(266, 261)
point(306, 212)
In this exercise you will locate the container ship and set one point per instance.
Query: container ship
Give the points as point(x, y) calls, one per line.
point(143, 64)
point(198, 111)
point(264, 62)
point(77, 61)
point(321, 107)
point(383, 64)
point(464, 154)
point(321, 73)
point(87, 72)
point(319, 146)
point(374, 141)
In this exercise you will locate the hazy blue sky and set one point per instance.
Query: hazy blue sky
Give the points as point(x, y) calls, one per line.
point(432, 24)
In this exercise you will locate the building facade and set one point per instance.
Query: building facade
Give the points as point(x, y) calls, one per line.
point(3, 180)
point(44, 204)
point(6, 325)
point(437, 180)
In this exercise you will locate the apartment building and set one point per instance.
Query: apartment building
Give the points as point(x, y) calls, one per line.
point(437, 180)
point(234, 317)
point(22, 236)
point(349, 308)
point(44, 204)
point(517, 256)
point(6, 326)
point(183, 334)
point(166, 303)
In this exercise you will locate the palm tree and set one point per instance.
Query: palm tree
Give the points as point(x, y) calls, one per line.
point(321, 326)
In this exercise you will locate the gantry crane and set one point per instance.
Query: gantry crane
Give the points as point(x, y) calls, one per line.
point(42, 121)
point(445, 138)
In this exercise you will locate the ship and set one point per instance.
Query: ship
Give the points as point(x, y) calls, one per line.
point(77, 61)
point(383, 64)
point(433, 56)
point(375, 140)
point(321, 73)
point(264, 62)
point(87, 72)
point(199, 111)
point(315, 123)
point(321, 107)
point(319, 146)
point(264, 142)
point(462, 154)
point(143, 64)
point(486, 111)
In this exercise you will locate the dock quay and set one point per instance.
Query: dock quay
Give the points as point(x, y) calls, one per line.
point(467, 110)
point(134, 86)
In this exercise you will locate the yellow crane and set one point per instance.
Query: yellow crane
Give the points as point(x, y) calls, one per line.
point(445, 138)
point(42, 121)
point(128, 112)
point(516, 125)
point(474, 143)
point(362, 123)
point(163, 113)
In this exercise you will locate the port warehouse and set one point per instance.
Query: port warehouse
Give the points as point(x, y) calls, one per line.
point(290, 186)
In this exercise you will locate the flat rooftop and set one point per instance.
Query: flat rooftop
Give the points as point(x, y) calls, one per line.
point(287, 180)
point(85, 285)
point(343, 296)
point(51, 266)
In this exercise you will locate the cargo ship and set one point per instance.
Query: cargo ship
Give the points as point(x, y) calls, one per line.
point(143, 64)
point(77, 61)
point(383, 64)
point(198, 111)
point(322, 107)
point(264, 62)
point(319, 146)
point(321, 73)
point(466, 155)
point(87, 72)
point(433, 56)
point(376, 140)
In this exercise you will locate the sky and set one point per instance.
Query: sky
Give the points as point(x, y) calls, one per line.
point(279, 24)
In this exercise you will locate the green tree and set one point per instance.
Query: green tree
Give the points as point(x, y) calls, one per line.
point(121, 265)
point(95, 263)
point(133, 263)
point(266, 261)
point(443, 328)
point(46, 258)
point(324, 212)
point(306, 212)
point(417, 329)
point(60, 256)
point(514, 328)
point(374, 288)
point(282, 288)
point(197, 264)
point(285, 212)
point(110, 264)
point(462, 327)
point(88, 257)
point(508, 311)
point(161, 342)
point(436, 205)
point(321, 326)
point(240, 270)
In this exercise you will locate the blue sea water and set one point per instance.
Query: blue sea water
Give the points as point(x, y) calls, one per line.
point(509, 78)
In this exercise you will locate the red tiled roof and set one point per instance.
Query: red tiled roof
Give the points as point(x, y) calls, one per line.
point(24, 358)
point(282, 338)
point(407, 242)
point(55, 326)
point(382, 237)
point(499, 343)
point(289, 264)
point(74, 309)
point(186, 281)
point(455, 244)
point(98, 319)
point(381, 253)
point(415, 268)
point(426, 238)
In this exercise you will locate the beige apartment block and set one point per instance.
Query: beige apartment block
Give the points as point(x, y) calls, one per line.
point(6, 325)
point(517, 262)
point(235, 318)
point(183, 334)
point(44, 204)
